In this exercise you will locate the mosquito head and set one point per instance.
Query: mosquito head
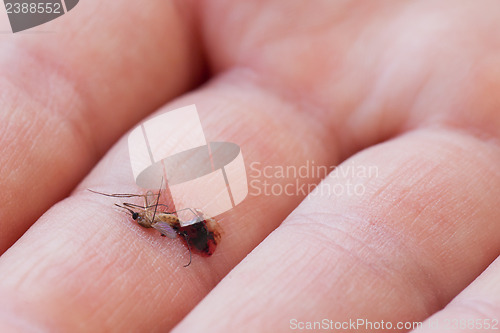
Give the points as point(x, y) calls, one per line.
point(135, 215)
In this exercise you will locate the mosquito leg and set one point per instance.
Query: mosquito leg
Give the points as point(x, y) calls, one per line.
point(189, 248)
point(163, 205)
point(146, 198)
point(118, 195)
point(180, 210)
point(142, 207)
point(157, 200)
point(133, 205)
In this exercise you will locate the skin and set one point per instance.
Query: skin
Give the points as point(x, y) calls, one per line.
point(408, 87)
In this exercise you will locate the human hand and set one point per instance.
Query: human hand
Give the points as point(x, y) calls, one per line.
point(407, 87)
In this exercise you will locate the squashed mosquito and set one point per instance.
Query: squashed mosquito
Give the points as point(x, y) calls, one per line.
point(202, 233)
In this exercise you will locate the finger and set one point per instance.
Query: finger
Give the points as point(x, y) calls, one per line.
point(408, 238)
point(67, 96)
point(476, 309)
point(381, 67)
point(86, 255)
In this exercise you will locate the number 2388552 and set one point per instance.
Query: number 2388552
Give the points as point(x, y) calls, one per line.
point(33, 8)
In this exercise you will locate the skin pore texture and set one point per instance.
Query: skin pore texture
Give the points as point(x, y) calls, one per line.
point(410, 88)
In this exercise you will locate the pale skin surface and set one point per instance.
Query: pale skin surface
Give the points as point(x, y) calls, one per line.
point(290, 81)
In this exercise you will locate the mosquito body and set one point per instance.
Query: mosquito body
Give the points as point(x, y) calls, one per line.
point(202, 233)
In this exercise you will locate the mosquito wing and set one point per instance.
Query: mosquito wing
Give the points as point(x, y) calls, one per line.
point(165, 229)
point(190, 222)
point(188, 216)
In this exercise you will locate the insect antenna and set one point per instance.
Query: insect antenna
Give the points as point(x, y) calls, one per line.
point(134, 214)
